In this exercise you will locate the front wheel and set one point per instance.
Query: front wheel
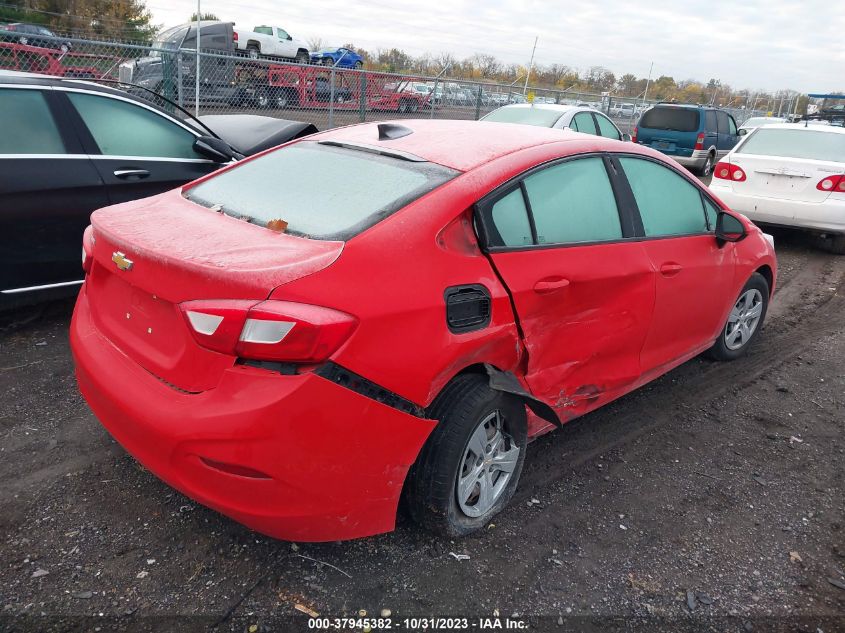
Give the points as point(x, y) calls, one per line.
point(470, 465)
point(302, 57)
point(359, 65)
point(744, 321)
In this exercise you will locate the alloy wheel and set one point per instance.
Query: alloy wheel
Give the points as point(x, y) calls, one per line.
point(489, 460)
point(744, 319)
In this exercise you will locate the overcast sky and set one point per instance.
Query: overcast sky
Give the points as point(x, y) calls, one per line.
point(752, 44)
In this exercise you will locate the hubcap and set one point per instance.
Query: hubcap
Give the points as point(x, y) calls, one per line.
point(489, 460)
point(744, 319)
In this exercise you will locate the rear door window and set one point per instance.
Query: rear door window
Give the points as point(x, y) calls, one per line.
point(710, 122)
point(676, 119)
point(509, 217)
point(321, 191)
point(668, 203)
point(34, 130)
point(723, 122)
point(573, 202)
point(583, 122)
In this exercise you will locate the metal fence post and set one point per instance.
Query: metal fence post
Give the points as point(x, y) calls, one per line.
point(331, 98)
point(362, 99)
point(179, 81)
point(478, 103)
point(434, 97)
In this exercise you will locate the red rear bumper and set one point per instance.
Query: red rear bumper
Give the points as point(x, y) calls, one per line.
point(293, 457)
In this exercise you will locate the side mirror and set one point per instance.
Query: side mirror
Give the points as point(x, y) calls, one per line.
point(729, 229)
point(216, 149)
point(626, 137)
point(742, 131)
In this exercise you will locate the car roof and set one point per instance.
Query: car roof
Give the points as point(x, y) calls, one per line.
point(13, 77)
point(556, 107)
point(811, 128)
point(465, 145)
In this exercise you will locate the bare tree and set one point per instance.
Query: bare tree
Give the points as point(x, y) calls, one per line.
point(486, 65)
point(315, 43)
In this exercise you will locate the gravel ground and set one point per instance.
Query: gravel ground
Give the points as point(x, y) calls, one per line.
point(711, 499)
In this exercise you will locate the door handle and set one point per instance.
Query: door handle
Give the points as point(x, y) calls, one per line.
point(131, 174)
point(550, 284)
point(670, 269)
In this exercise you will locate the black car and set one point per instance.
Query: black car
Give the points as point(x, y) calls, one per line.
point(69, 147)
point(33, 35)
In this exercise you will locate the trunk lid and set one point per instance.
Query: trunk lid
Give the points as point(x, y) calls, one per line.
point(783, 178)
point(153, 254)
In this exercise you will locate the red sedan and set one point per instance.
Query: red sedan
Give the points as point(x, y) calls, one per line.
point(382, 310)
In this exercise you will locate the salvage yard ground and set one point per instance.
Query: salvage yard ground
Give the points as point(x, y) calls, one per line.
point(715, 492)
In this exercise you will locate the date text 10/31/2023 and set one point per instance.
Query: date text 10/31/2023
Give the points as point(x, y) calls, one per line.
point(417, 624)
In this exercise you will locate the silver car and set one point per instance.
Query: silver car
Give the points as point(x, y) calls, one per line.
point(577, 118)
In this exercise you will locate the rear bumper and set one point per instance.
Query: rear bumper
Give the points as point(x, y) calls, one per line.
point(312, 461)
point(695, 161)
point(825, 217)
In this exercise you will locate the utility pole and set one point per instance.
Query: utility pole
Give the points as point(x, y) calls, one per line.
point(647, 82)
point(530, 65)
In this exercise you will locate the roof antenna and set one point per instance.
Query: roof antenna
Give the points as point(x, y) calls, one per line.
point(391, 131)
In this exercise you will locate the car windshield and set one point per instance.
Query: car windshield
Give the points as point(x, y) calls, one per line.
point(804, 143)
point(321, 191)
point(540, 117)
point(675, 119)
point(168, 40)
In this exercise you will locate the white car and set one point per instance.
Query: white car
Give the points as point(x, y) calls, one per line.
point(756, 121)
point(579, 119)
point(788, 174)
point(622, 110)
point(271, 41)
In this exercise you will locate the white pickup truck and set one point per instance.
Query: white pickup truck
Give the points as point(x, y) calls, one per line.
point(271, 41)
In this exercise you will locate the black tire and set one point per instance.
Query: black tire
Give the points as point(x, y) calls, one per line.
point(721, 349)
point(359, 65)
point(707, 168)
point(283, 99)
point(302, 57)
point(327, 61)
point(414, 106)
point(262, 98)
point(832, 244)
point(403, 106)
point(253, 52)
point(431, 489)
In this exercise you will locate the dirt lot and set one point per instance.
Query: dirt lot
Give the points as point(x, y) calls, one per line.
point(710, 500)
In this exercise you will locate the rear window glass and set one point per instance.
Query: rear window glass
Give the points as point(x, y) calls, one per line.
point(321, 191)
point(798, 143)
point(540, 117)
point(677, 119)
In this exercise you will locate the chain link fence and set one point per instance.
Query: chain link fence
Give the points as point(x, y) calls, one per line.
point(215, 82)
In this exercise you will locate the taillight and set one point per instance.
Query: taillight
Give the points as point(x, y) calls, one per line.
point(634, 135)
point(699, 141)
point(235, 37)
point(268, 330)
point(726, 171)
point(88, 249)
point(832, 183)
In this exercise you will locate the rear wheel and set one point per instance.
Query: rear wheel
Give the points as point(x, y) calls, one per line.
point(403, 106)
point(359, 65)
point(302, 57)
point(744, 322)
point(253, 52)
point(470, 465)
point(832, 243)
point(707, 168)
point(262, 98)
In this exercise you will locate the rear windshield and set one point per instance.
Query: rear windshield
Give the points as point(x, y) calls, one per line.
point(322, 191)
point(757, 121)
point(798, 143)
point(676, 119)
point(529, 116)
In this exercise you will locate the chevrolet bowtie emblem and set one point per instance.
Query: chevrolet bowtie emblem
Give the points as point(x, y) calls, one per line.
point(120, 261)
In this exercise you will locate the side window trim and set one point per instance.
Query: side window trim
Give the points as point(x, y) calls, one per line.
point(641, 236)
point(482, 208)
